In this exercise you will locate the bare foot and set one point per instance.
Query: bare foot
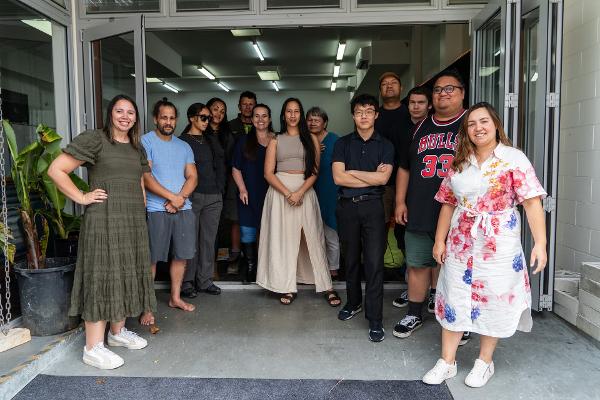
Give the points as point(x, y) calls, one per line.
point(182, 305)
point(147, 318)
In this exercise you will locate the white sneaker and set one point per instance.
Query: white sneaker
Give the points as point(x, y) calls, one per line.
point(101, 357)
point(480, 374)
point(440, 372)
point(126, 338)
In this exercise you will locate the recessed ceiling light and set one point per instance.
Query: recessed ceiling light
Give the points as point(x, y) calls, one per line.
point(222, 86)
point(39, 24)
point(150, 79)
point(340, 51)
point(257, 50)
point(206, 72)
point(336, 71)
point(275, 86)
point(268, 75)
point(171, 88)
point(487, 71)
point(245, 32)
point(333, 86)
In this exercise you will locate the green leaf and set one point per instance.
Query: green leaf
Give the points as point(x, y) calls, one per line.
point(11, 140)
point(47, 134)
point(80, 183)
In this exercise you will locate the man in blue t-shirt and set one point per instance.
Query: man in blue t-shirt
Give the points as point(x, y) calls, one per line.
point(168, 186)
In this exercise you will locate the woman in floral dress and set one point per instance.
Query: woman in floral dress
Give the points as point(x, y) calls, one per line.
point(484, 283)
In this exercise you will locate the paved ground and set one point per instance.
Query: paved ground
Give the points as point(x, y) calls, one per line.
point(248, 334)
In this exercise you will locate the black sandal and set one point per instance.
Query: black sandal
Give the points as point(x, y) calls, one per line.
point(287, 299)
point(332, 298)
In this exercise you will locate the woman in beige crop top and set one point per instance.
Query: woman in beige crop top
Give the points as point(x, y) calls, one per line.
point(292, 244)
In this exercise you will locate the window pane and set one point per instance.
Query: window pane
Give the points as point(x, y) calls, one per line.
point(209, 5)
point(461, 2)
point(120, 6)
point(283, 4)
point(368, 3)
point(489, 53)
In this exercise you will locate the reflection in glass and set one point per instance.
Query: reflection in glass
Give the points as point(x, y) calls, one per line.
point(488, 72)
point(208, 5)
point(462, 2)
point(113, 71)
point(368, 3)
point(530, 83)
point(120, 6)
point(302, 4)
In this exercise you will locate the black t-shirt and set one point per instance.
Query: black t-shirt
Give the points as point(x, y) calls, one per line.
point(210, 162)
point(396, 126)
point(362, 155)
point(428, 158)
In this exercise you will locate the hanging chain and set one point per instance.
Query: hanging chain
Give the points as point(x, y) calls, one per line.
point(4, 320)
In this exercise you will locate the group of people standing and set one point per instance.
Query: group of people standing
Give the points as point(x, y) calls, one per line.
point(446, 177)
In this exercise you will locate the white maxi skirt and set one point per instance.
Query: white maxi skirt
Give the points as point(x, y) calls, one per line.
point(291, 248)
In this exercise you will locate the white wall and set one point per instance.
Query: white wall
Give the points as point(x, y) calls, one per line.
point(578, 232)
point(336, 104)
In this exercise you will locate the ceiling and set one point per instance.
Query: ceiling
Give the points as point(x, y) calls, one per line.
point(304, 56)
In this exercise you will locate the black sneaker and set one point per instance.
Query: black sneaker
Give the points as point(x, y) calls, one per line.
point(376, 332)
point(466, 337)
point(401, 301)
point(407, 326)
point(189, 293)
point(347, 312)
point(431, 303)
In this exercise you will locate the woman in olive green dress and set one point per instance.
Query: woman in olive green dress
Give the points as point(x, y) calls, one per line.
point(113, 278)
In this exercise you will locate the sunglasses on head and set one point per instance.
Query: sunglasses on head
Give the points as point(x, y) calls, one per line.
point(203, 117)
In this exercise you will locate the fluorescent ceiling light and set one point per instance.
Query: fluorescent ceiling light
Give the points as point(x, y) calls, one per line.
point(496, 54)
point(150, 79)
point(487, 71)
point(336, 71)
point(333, 86)
point(340, 51)
point(257, 50)
point(206, 73)
point(222, 86)
point(270, 75)
point(534, 77)
point(171, 88)
point(275, 86)
point(245, 32)
point(39, 24)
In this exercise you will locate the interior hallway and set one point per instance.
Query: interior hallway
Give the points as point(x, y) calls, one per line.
point(248, 334)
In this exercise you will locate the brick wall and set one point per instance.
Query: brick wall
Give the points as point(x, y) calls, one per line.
point(578, 231)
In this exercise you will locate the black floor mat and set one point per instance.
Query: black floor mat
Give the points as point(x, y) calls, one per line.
point(90, 388)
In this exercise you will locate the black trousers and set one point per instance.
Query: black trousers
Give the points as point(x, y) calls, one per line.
point(361, 226)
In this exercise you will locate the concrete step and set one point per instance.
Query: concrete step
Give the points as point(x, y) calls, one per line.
point(566, 306)
point(588, 327)
point(591, 271)
point(590, 286)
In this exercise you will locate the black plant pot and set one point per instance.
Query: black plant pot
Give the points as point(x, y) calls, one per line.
point(65, 247)
point(45, 296)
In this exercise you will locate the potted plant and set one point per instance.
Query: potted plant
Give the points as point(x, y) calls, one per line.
point(44, 283)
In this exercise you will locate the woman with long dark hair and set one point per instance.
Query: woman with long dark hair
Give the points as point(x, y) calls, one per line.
point(113, 279)
point(221, 129)
point(291, 246)
point(248, 174)
point(207, 200)
point(484, 280)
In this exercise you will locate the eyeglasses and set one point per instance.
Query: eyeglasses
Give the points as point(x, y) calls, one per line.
point(448, 89)
point(203, 117)
point(364, 113)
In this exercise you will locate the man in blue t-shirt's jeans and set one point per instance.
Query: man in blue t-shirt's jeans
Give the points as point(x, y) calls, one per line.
point(170, 218)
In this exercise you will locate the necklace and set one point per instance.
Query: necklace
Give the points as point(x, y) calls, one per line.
point(197, 138)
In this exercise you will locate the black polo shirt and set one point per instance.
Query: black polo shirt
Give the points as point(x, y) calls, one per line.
point(363, 155)
point(396, 126)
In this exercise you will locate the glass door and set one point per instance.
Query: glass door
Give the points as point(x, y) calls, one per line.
point(115, 64)
point(516, 68)
point(541, 38)
point(495, 59)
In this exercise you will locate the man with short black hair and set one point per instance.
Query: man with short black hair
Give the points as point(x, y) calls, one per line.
point(423, 165)
point(242, 124)
point(170, 183)
point(362, 163)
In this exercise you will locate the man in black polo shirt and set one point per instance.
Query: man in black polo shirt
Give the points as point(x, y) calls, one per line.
point(362, 165)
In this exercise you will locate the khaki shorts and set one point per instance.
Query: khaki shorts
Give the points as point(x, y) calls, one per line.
point(419, 249)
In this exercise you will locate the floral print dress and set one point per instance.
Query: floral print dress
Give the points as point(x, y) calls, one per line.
point(483, 285)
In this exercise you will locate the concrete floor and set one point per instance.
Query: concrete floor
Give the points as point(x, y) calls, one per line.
point(248, 334)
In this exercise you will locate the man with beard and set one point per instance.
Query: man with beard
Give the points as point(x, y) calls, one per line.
point(170, 217)
point(243, 123)
point(423, 165)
